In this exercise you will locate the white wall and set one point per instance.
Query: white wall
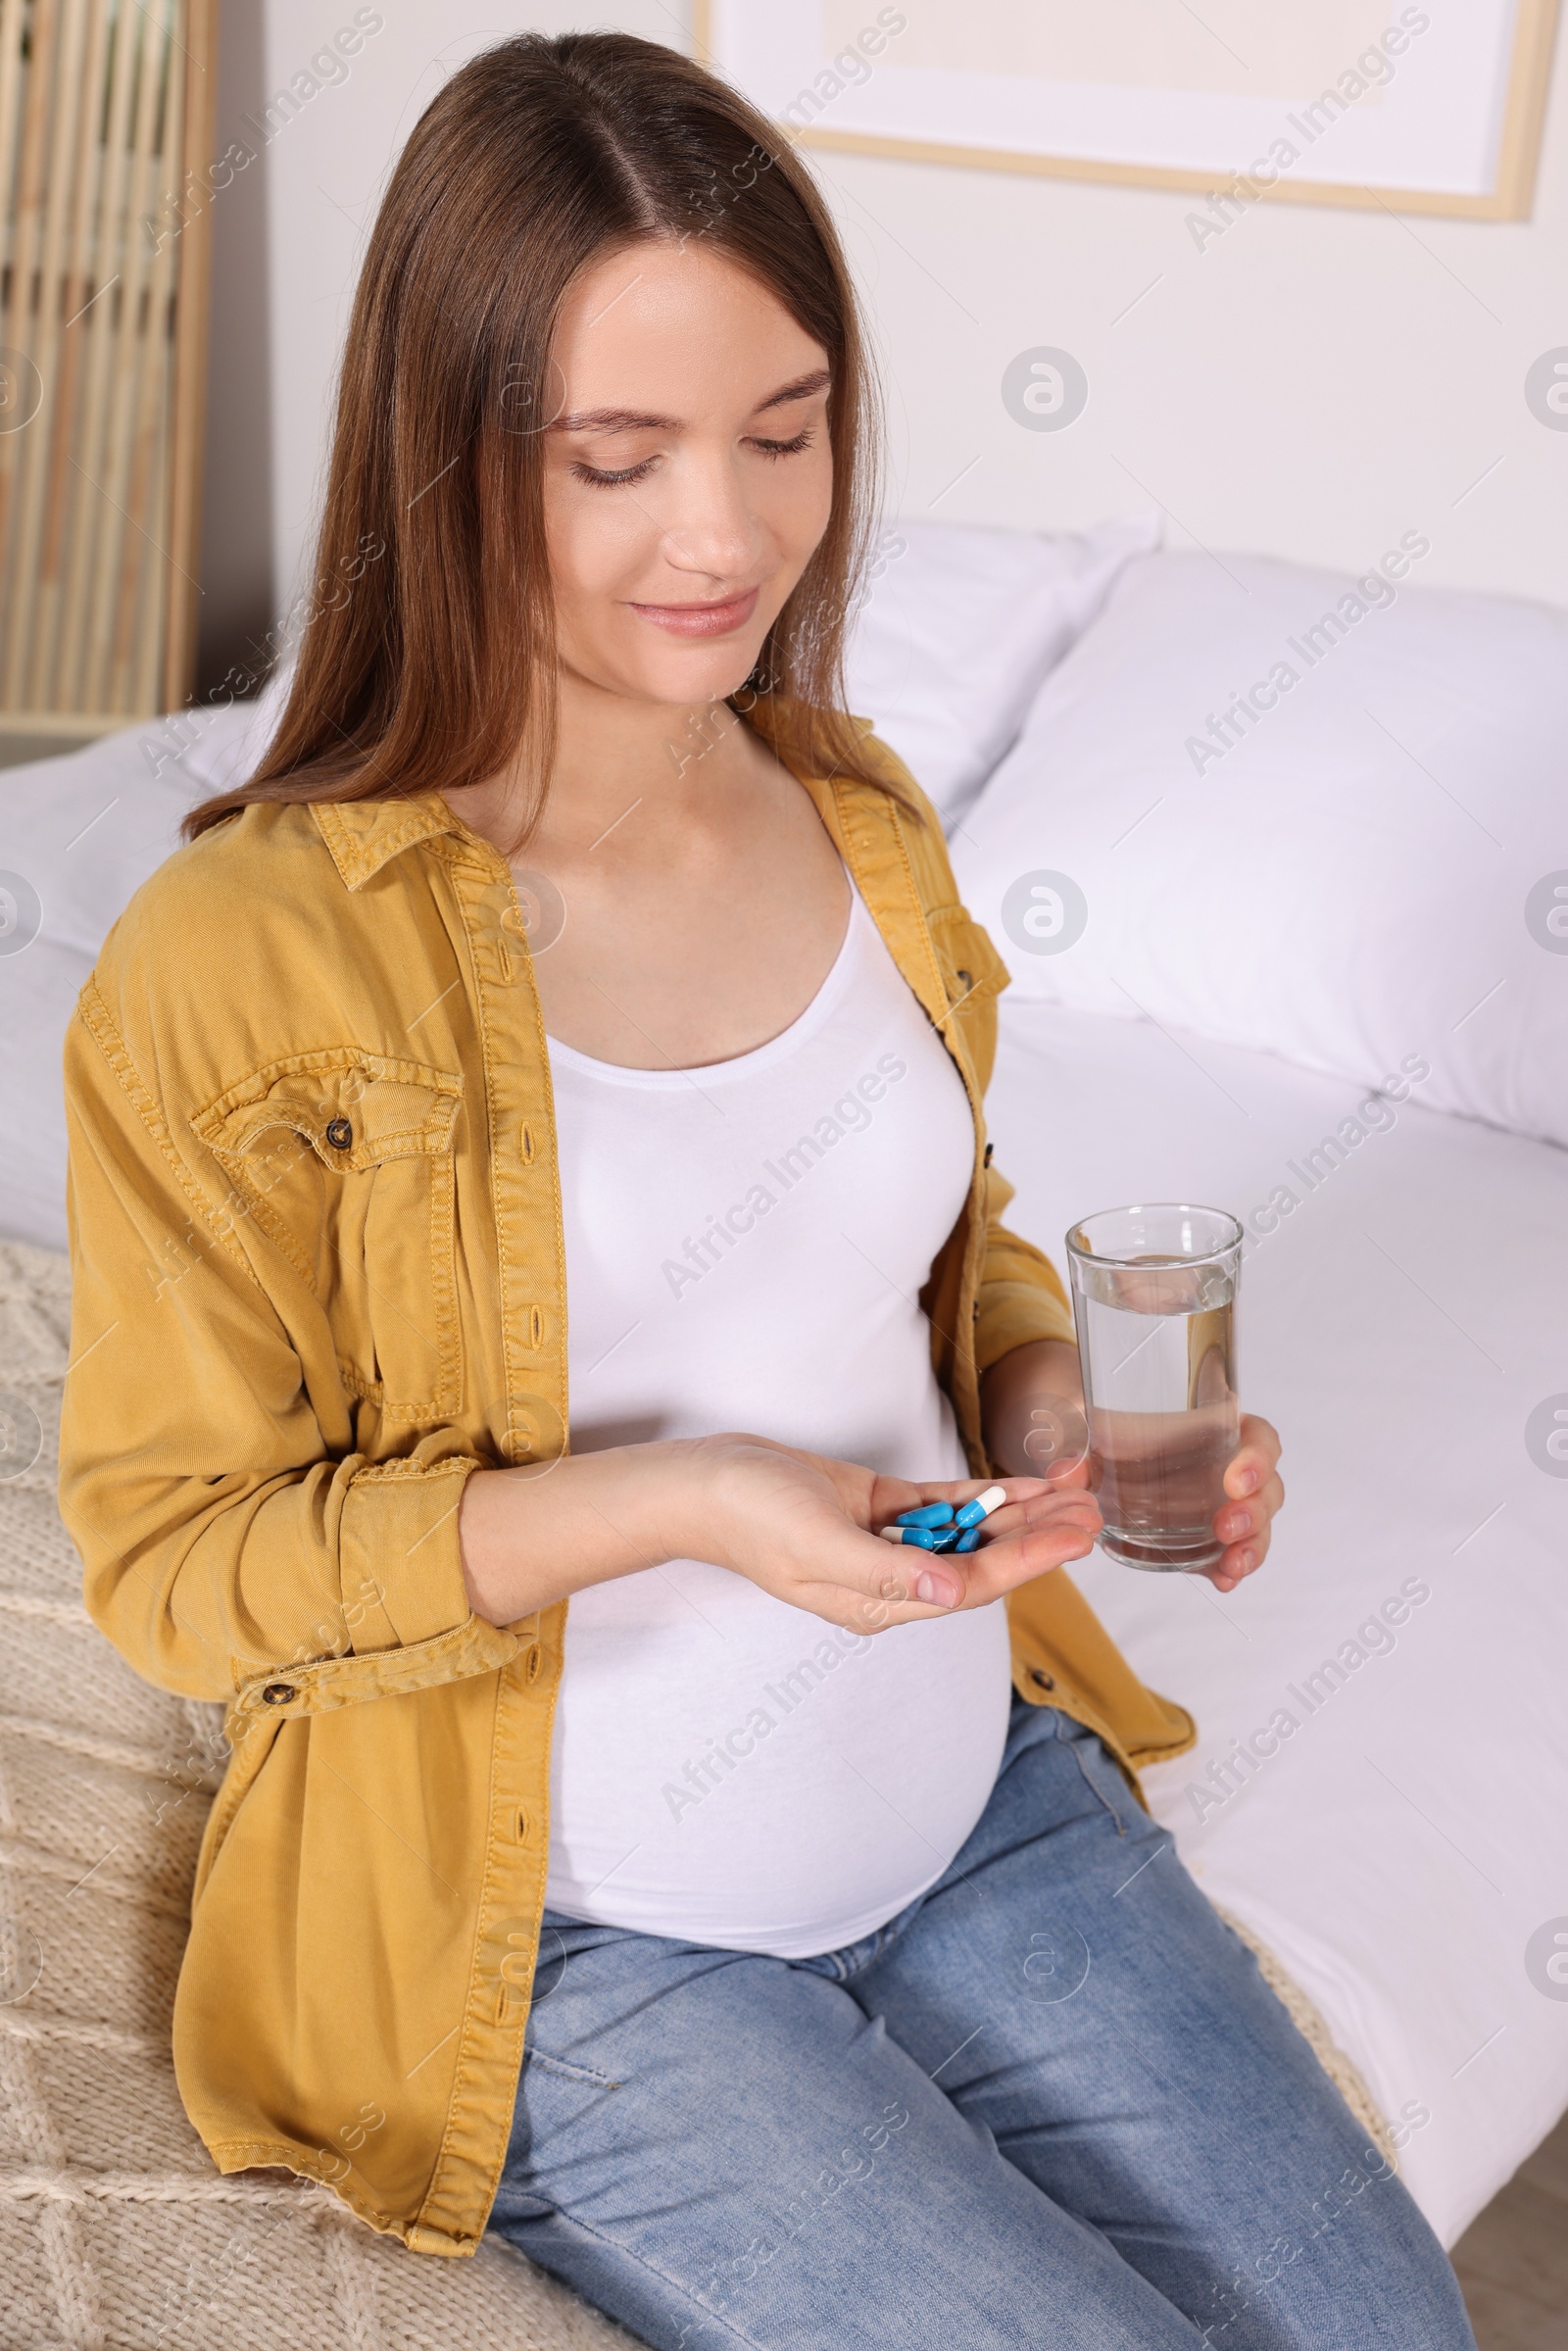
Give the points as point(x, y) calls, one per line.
point(1310, 384)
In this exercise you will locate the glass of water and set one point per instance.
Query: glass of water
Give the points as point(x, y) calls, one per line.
point(1154, 1294)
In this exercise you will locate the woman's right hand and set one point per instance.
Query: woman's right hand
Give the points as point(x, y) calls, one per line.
point(801, 1526)
point(798, 1525)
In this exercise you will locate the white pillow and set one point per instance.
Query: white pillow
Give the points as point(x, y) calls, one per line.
point(960, 630)
point(1373, 872)
point(77, 836)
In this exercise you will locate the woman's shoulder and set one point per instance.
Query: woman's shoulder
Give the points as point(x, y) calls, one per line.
point(218, 892)
point(289, 868)
point(274, 940)
point(261, 925)
point(894, 773)
point(908, 816)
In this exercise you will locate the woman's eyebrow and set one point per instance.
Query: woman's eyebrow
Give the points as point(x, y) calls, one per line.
point(628, 420)
point(801, 389)
point(614, 419)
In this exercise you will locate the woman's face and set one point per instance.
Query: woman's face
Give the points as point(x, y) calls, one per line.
point(687, 473)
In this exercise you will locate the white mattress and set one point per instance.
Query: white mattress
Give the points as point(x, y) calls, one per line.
point(1404, 1844)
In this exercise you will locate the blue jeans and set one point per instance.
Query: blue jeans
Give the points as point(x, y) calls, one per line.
point(1051, 2103)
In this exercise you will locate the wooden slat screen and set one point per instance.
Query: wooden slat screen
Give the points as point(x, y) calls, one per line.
point(102, 277)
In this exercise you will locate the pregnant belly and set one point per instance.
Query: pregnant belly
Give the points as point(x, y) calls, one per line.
point(732, 1771)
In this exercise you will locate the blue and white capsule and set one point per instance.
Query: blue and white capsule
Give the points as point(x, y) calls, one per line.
point(923, 1538)
point(971, 1514)
point(929, 1514)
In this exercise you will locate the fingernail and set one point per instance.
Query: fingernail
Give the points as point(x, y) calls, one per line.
point(1248, 1480)
point(1246, 1562)
point(936, 1591)
point(1241, 1523)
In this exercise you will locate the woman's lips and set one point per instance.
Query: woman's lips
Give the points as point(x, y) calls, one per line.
point(701, 620)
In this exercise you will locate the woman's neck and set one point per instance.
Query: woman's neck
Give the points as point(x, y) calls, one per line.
point(674, 764)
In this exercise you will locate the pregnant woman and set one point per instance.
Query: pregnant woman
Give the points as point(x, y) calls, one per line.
point(623, 1847)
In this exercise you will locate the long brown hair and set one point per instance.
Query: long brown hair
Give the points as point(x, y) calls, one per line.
point(427, 659)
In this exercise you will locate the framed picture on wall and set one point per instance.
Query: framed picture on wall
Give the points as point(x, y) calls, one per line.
point(1432, 107)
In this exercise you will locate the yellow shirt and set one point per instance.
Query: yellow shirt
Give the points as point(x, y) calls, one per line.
point(319, 1278)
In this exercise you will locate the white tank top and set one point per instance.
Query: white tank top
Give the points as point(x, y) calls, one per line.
point(745, 1244)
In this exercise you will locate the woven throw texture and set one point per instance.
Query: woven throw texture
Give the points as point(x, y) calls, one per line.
point(117, 2234)
point(116, 2231)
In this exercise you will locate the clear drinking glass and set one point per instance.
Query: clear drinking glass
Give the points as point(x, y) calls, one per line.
point(1154, 1294)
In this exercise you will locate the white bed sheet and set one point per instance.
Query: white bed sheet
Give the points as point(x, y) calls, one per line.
point(1404, 1843)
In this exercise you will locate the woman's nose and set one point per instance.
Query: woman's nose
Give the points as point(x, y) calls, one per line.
point(712, 527)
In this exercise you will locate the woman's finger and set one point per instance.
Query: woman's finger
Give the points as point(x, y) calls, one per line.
point(1051, 1504)
point(891, 1497)
point(1254, 1460)
point(1000, 1566)
point(973, 1579)
point(1042, 1528)
point(1235, 1522)
point(1239, 1560)
point(912, 1586)
point(957, 1490)
point(1236, 1563)
point(1049, 1531)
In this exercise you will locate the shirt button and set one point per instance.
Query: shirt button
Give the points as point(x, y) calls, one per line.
point(339, 1134)
point(1042, 1680)
point(279, 1694)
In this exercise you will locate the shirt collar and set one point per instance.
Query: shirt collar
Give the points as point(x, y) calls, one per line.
point(364, 834)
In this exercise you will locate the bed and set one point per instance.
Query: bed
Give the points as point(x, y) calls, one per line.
point(1303, 952)
point(1264, 939)
point(1403, 1842)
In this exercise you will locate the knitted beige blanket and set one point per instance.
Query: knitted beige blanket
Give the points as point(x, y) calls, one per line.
point(116, 2231)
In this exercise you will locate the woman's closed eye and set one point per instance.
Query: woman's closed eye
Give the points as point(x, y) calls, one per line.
point(601, 479)
point(801, 440)
point(609, 482)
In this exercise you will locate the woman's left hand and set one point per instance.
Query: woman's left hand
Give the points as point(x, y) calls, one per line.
point(1253, 1493)
point(1244, 1521)
point(1028, 1388)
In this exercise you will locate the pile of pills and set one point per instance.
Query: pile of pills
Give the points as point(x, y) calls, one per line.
point(938, 1527)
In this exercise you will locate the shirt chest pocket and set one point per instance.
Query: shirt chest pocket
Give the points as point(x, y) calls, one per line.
point(346, 1160)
